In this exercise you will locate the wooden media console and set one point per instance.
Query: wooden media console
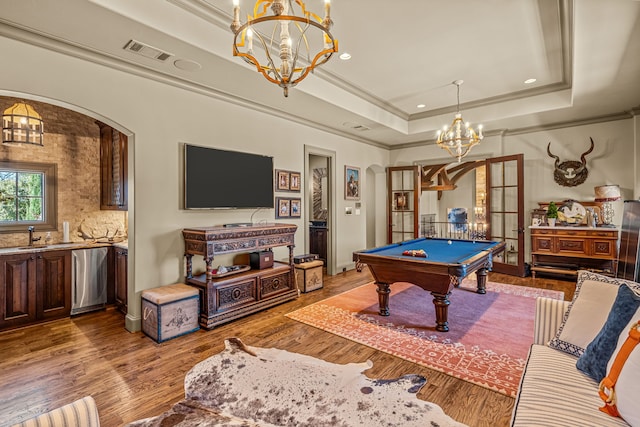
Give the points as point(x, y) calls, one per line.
point(231, 297)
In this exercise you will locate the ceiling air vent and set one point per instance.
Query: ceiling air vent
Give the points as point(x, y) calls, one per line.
point(146, 50)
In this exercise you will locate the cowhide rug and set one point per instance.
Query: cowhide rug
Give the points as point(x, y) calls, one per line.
point(251, 386)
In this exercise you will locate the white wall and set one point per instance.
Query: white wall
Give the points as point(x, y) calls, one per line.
point(158, 118)
point(614, 160)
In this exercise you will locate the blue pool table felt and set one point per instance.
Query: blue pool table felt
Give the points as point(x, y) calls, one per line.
point(438, 250)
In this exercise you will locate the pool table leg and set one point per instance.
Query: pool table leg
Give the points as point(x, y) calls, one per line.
point(441, 302)
point(383, 298)
point(481, 274)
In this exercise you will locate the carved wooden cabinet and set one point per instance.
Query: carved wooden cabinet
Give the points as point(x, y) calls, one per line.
point(121, 270)
point(113, 169)
point(34, 287)
point(228, 298)
point(565, 250)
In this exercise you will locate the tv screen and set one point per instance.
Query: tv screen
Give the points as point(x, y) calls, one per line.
point(216, 179)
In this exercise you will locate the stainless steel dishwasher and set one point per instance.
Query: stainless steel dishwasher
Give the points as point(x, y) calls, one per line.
point(88, 280)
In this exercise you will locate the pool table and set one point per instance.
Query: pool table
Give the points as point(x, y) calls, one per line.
point(434, 264)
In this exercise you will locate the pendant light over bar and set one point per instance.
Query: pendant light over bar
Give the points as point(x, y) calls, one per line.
point(298, 37)
point(22, 125)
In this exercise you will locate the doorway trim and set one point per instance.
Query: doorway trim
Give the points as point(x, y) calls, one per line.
point(133, 318)
point(310, 150)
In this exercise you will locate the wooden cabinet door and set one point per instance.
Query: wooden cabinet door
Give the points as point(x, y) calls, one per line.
point(318, 242)
point(121, 279)
point(603, 248)
point(53, 284)
point(542, 243)
point(17, 290)
point(568, 246)
point(113, 168)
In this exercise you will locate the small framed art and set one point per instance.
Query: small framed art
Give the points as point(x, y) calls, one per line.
point(295, 207)
point(284, 207)
point(351, 183)
point(282, 180)
point(294, 181)
point(401, 201)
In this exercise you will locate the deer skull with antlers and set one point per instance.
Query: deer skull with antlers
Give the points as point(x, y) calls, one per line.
point(571, 172)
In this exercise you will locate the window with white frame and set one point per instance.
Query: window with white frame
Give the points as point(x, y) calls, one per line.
point(27, 196)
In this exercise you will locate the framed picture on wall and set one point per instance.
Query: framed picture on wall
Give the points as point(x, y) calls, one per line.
point(284, 207)
point(351, 183)
point(296, 206)
point(294, 181)
point(282, 180)
point(458, 220)
point(401, 201)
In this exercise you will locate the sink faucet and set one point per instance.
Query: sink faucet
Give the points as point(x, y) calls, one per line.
point(31, 229)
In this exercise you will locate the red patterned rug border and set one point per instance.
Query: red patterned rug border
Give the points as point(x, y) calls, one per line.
point(481, 366)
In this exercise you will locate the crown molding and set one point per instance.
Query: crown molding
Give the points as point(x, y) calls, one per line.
point(624, 115)
point(213, 14)
point(68, 48)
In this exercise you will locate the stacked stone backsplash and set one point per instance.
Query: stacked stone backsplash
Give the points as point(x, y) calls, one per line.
point(72, 141)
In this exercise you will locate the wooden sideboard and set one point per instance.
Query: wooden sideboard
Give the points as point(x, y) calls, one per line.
point(228, 298)
point(565, 250)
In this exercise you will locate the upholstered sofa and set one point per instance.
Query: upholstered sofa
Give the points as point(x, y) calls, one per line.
point(568, 335)
point(81, 413)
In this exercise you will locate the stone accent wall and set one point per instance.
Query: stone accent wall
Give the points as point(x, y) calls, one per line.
point(72, 141)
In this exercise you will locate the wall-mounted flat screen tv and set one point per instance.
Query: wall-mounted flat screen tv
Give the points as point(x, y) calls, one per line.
point(221, 179)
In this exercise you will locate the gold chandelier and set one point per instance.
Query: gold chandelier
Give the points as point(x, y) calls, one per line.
point(460, 137)
point(300, 38)
point(22, 125)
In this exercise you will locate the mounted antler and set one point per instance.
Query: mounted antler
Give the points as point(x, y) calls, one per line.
point(571, 172)
point(553, 156)
point(583, 158)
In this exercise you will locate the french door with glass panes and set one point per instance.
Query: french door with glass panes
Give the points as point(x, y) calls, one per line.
point(505, 211)
point(403, 186)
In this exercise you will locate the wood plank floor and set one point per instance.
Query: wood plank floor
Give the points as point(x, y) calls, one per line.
point(132, 377)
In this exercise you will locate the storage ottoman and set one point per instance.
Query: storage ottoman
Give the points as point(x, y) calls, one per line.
point(309, 275)
point(170, 311)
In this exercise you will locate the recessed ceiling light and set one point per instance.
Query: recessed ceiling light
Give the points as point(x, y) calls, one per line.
point(345, 56)
point(529, 81)
point(420, 106)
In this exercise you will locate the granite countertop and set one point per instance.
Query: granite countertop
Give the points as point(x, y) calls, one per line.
point(52, 247)
point(122, 245)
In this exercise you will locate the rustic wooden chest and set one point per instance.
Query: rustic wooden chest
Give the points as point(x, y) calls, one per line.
point(170, 311)
point(309, 275)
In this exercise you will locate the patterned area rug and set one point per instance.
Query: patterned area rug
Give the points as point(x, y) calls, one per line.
point(250, 386)
point(488, 340)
